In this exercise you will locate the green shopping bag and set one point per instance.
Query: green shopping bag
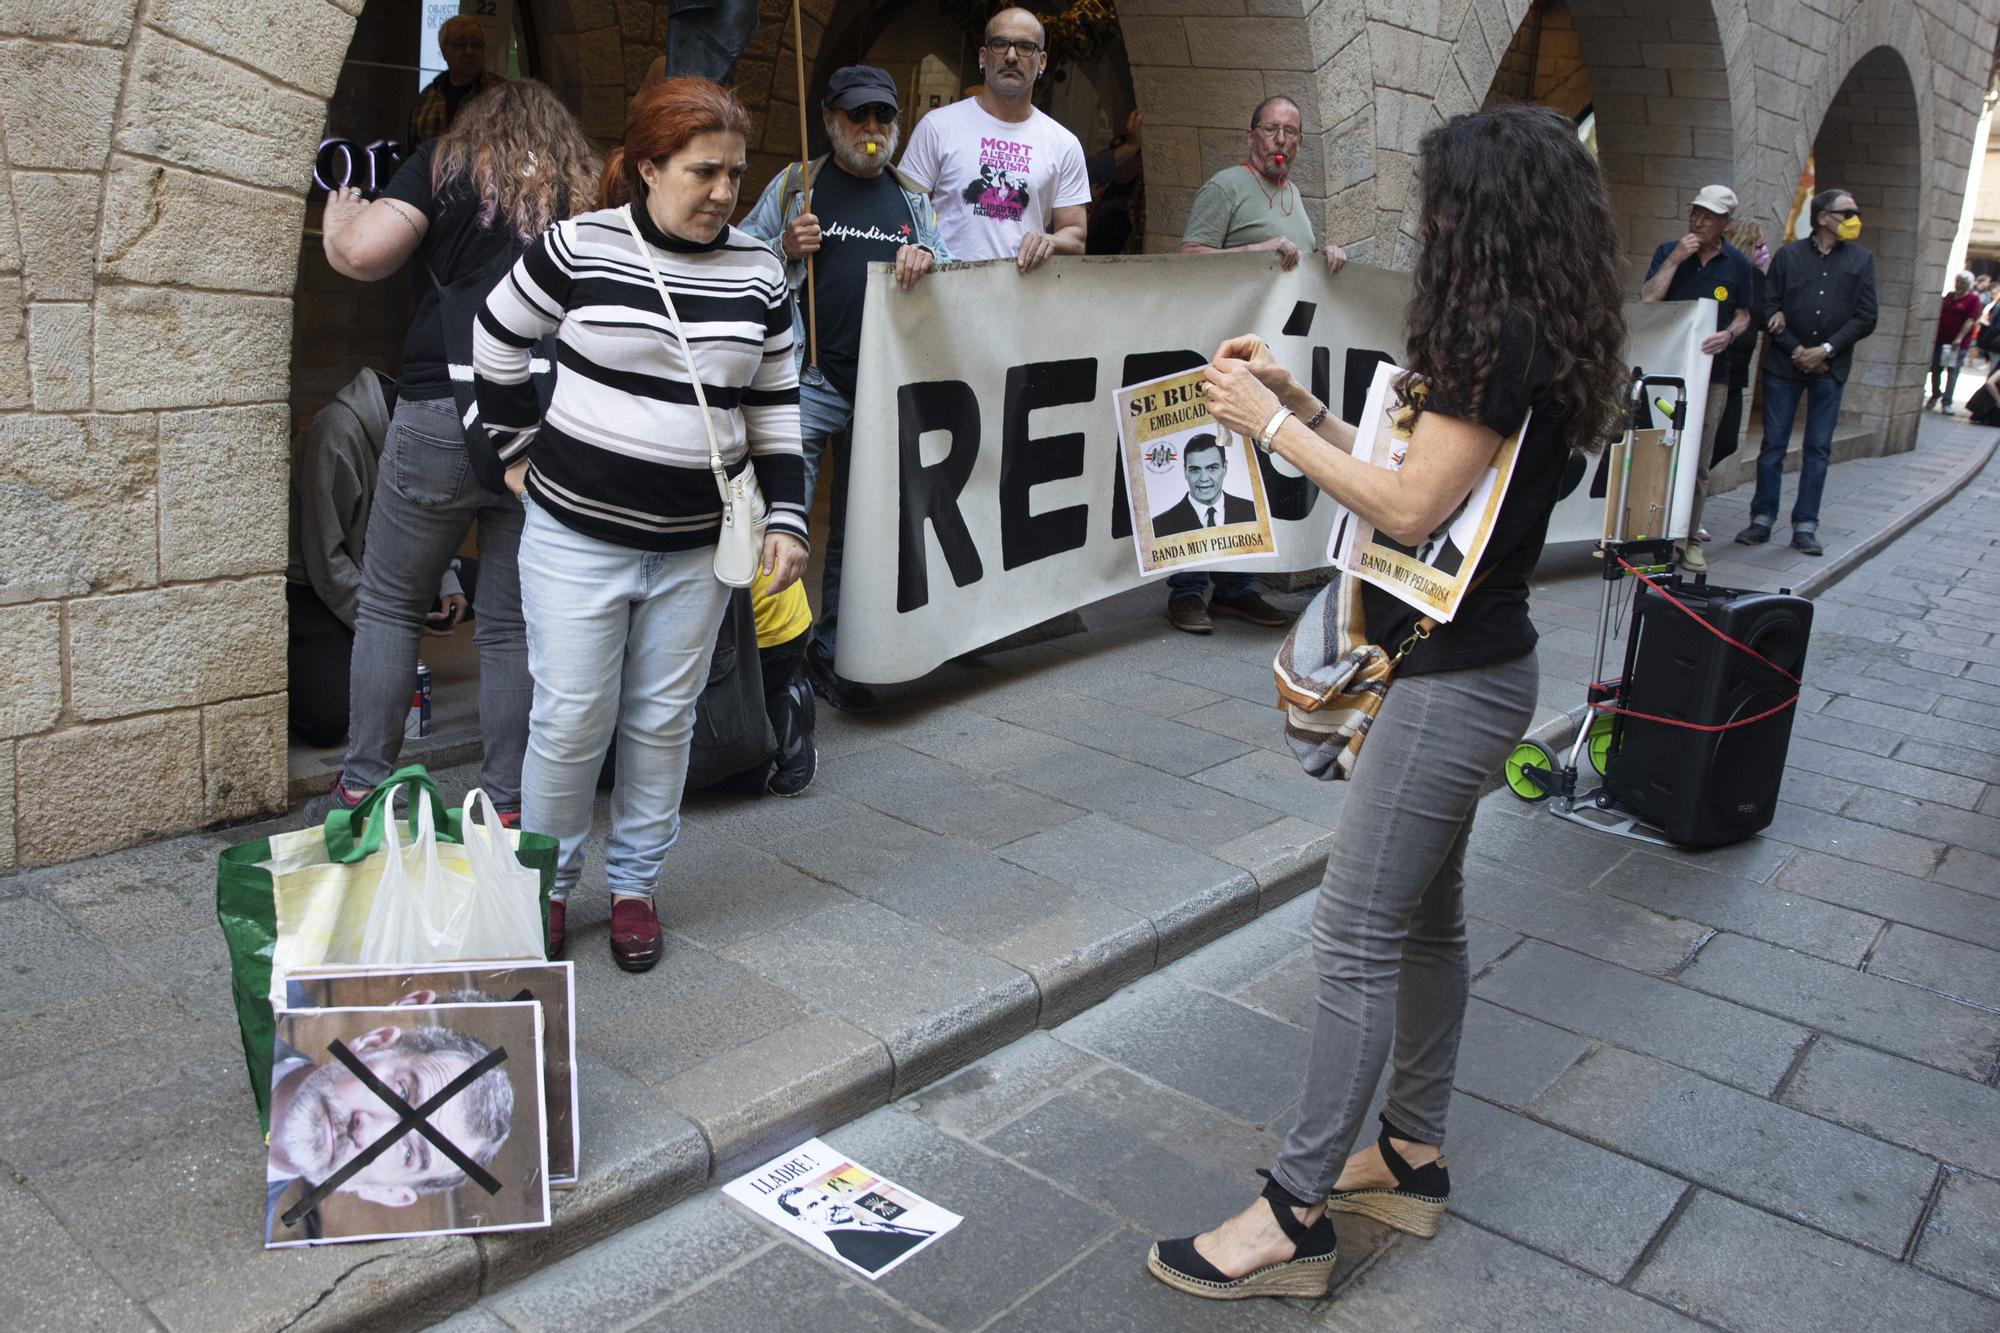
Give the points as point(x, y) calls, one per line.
point(324, 879)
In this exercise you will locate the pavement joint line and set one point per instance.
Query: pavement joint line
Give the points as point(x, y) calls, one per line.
point(1657, 1239)
point(1666, 1170)
point(1798, 1062)
point(1924, 1213)
point(702, 1283)
point(1119, 1227)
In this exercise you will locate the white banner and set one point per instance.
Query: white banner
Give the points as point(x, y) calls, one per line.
point(985, 493)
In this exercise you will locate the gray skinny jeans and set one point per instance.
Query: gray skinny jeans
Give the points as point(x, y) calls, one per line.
point(426, 499)
point(1389, 927)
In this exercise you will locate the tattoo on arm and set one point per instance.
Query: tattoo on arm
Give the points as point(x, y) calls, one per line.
point(402, 211)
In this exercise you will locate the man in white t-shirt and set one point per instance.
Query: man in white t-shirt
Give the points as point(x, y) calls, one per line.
point(1005, 178)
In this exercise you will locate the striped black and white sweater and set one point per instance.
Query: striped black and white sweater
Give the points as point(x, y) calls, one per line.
point(621, 454)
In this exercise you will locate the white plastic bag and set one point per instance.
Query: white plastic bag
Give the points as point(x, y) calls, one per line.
point(437, 906)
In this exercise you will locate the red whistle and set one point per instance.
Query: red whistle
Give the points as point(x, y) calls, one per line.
point(1279, 158)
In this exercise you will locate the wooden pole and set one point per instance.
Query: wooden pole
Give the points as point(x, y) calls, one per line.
point(805, 156)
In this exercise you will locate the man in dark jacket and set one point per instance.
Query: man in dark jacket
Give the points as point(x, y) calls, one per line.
point(1206, 505)
point(1819, 300)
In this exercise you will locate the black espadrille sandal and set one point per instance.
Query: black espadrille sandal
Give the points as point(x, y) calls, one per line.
point(1308, 1273)
point(1415, 1205)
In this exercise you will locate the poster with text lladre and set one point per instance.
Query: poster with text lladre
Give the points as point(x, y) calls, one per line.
point(1434, 572)
point(1196, 493)
point(841, 1208)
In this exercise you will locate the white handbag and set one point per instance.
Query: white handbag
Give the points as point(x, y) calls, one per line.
point(740, 546)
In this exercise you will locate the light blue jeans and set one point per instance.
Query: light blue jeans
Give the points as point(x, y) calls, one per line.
point(824, 413)
point(618, 640)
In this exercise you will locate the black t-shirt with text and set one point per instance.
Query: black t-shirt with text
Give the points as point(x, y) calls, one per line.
point(860, 221)
point(454, 246)
point(1492, 624)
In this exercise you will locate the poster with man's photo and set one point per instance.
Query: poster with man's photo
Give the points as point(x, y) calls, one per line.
point(841, 1208)
point(1433, 574)
point(1197, 496)
point(552, 985)
point(406, 1120)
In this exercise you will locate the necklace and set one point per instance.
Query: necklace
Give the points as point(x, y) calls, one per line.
point(1271, 197)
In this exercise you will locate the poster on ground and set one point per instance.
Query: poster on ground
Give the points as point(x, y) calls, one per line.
point(1196, 494)
point(1433, 574)
point(331, 986)
point(841, 1208)
point(406, 1120)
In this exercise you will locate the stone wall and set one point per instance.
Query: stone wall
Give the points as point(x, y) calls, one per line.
point(149, 234)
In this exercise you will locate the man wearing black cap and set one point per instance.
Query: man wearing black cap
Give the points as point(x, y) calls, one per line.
point(863, 211)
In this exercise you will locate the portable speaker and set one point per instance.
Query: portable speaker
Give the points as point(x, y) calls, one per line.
point(1707, 788)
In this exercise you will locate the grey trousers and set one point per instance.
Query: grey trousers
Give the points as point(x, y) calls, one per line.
point(1389, 926)
point(426, 500)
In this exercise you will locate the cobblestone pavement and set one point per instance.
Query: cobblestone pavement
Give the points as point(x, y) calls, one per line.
point(1010, 846)
point(1752, 1088)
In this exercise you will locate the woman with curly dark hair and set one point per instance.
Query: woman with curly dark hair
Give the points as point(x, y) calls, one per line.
point(1517, 314)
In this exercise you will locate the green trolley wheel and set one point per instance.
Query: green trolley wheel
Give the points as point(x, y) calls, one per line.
point(1525, 754)
point(1600, 742)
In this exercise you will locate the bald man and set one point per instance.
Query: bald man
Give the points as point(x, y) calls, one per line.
point(1007, 180)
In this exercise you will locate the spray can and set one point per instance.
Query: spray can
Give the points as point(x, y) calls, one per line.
point(418, 724)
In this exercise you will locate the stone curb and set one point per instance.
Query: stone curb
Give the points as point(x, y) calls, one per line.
point(1559, 732)
point(643, 1181)
point(648, 1182)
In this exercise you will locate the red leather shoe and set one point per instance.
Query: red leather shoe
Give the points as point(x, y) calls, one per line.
point(635, 934)
point(556, 935)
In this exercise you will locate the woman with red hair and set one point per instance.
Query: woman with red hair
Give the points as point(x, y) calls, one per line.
point(623, 511)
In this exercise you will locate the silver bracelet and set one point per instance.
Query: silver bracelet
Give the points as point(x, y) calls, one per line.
point(1270, 433)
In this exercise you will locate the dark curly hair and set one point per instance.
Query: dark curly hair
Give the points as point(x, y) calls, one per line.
point(1516, 226)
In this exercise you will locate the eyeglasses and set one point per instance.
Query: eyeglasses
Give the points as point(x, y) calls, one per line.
point(1000, 46)
point(879, 112)
point(1280, 132)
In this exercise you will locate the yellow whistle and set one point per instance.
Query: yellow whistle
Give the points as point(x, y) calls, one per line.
point(872, 150)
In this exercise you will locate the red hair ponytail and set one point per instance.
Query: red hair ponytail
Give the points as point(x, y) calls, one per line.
point(665, 118)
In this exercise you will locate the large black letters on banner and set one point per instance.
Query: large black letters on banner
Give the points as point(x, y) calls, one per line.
point(932, 492)
point(1026, 463)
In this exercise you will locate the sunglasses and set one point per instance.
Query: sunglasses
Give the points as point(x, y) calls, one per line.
point(1845, 212)
point(879, 112)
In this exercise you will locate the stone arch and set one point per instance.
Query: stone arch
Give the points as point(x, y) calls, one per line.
point(1674, 99)
point(1868, 142)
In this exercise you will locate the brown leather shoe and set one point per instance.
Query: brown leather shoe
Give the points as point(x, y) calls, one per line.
point(635, 934)
point(1189, 615)
point(1249, 607)
point(556, 934)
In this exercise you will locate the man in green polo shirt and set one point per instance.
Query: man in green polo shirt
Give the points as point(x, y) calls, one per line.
point(1252, 205)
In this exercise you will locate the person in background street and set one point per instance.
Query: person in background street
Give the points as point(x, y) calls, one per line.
point(515, 162)
point(1819, 301)
point(1747, 235)
point(462, 42)
point(1114, 184)
point(1252, 205)
point(1007, 179)
point(1539, 338)
point(1958, 321)
point(617, 556)
point(1703, 264)
point(335, 462)
point(863, 211)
